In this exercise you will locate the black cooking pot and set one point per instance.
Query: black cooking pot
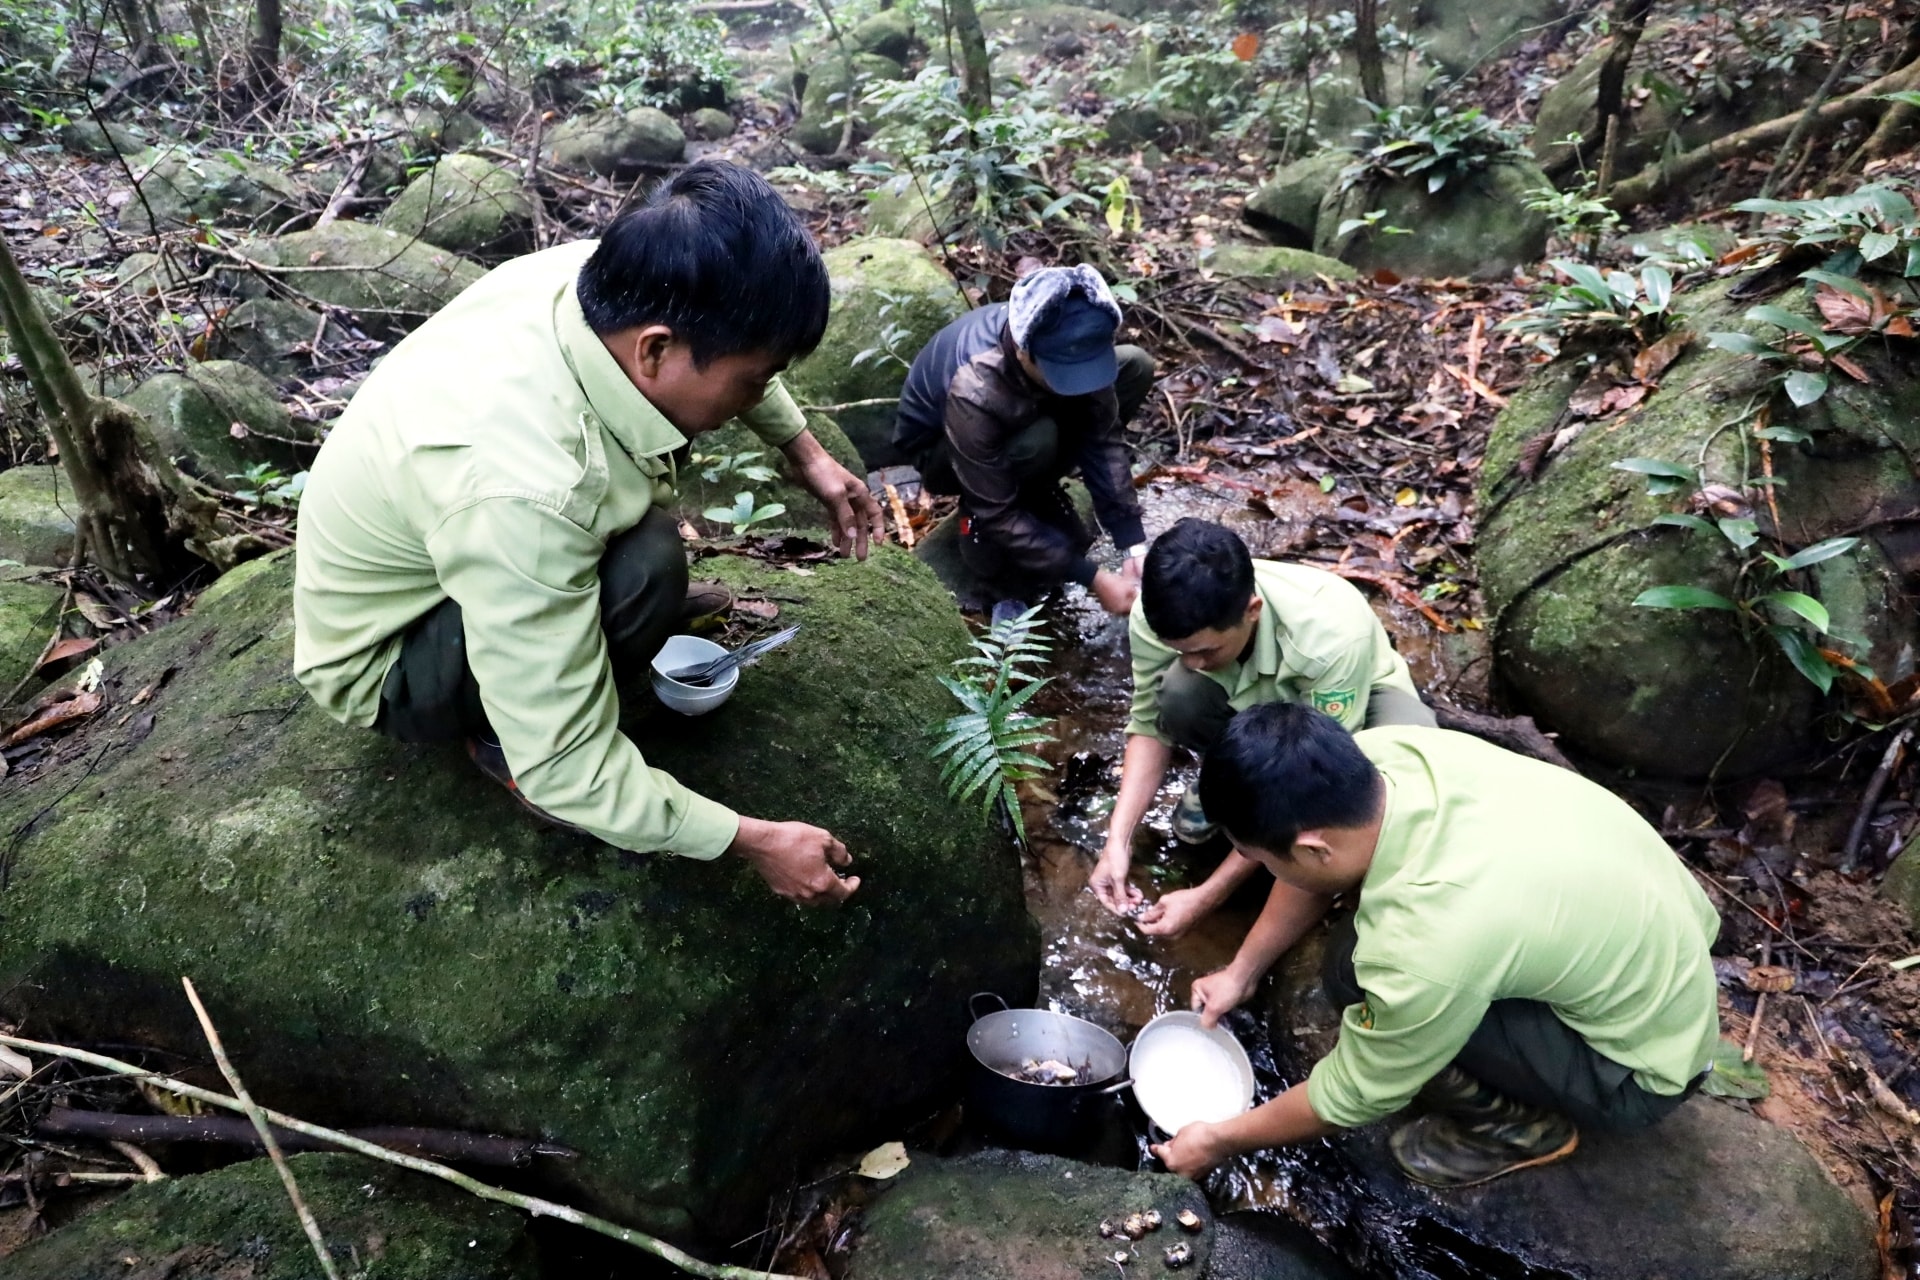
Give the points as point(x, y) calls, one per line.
point(1041, 1117)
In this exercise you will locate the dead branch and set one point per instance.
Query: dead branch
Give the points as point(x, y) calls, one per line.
point(441, 1144)
point(1516, 733)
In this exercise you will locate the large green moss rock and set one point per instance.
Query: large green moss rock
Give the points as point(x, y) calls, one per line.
point(218, 418)
point(1713, 1192)
point(98, 141)
point(1685, 693)
point(1286, 210)
point(37, 511)
point(617, 144)
point(1474, 227)
point(1901, 883)
point(1704, 110)
point(390, 281)
point(1264, 267)
point(723, 453)
point(237, 1224)
point(881, 287)
point(710, 124)
point(275, 337)
point(386, 936)
point(830, 93)
point(151, 273)
point(178, 188)
point(1008, 1215)
point(888, 33)
point(469, 205)
point(28, 612)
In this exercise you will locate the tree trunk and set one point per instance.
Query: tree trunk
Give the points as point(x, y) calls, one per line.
point(1366, 51)
point(202, 37)
point(133, 20)
point(138, 518)
point(1630, 19)
point(976, 85)
point(263, 53)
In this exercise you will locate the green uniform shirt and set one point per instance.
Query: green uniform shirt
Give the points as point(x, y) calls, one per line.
point(1317, 641)
point(1497, 877)
point(490, 458)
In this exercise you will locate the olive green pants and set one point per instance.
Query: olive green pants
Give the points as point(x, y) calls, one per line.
point(1194, 710)
point(1523, 1050)
point(430, 694)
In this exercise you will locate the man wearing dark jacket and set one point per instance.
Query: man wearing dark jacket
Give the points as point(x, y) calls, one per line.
point(1006, 401)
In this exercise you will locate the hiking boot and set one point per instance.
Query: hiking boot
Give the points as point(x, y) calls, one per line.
point(492, 761)
point(705, 602)
point(1190, 825)
point(1482, 1135)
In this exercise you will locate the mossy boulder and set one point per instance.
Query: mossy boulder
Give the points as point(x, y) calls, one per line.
point(469, 205)
point(429, 130)
point(385, 936)
point(1474, 226)
point(1901, 884)
point(710, 124)
point(878, 285)
point(1685, 693)
point(888, 33)
point(1713, 1192)
point(278, 338)
point(236, 1224)
point(617, 144)
point(1045, 28)
point(1286, 209)
point(1008, 1215)
point(390, 281)
point(830, 93)
point(177, 188)
point(1707, 107)
point(723, 453)
point(1271, 267)
point(28, 613)
point(37, 508)
point(218, 418)
point(150, 273)
point(1149, 125)
point(910, 213)
point(98, 141)
point(1460, 34)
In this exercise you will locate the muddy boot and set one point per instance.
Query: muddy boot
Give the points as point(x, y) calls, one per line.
point(1189, 822)
point(492, 761)
point(1475, 1134)
point(706, 602)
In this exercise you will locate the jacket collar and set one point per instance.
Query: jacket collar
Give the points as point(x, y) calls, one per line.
point(626, 415)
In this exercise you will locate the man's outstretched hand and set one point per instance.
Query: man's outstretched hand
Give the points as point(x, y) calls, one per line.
point(797, 861)
point(851, 508)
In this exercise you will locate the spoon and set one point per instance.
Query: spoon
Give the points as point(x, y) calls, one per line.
point(705, 673)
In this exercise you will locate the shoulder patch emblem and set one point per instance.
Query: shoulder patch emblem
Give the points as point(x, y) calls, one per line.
point(1335, 702)
point(1364, 1015)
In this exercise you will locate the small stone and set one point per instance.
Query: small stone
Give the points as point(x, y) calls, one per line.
point(1107, 1230)
point(710, 124)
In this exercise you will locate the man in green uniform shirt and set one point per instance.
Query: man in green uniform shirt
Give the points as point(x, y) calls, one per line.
point(485, 544)
point(1526, 955)
point(1215, 632)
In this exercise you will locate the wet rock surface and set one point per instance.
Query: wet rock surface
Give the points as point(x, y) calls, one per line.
point(278, 338)
point(386, 937)
point(236, 1224)
point(824, 103)
point(1711, 1193)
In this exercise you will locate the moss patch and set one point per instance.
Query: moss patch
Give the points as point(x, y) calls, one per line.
point(392, 282)
point(37, 508)
point(1474, 227)
point(466, 204)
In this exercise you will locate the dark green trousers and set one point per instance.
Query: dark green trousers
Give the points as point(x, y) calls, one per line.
point(430, 694)
point(1524, 1051)
point(1194, 709)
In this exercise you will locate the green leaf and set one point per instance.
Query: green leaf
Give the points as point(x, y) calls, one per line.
point(1785, 435)
point(1819, 551)
point(1741, 344)
point(1740, 531)
point(1657, 284)
point(1732, 1076)
point(1875, 245)
point(1804, 656)
point(1845, 284)
point(1803, 605)
point(1781, 318)
point(1805, 388)
point(1656, 467)
point(1682, 597)
point(1683, 521)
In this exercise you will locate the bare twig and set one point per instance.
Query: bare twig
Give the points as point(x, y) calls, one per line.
point(531, 1204)
point(149, 1168)
point(1875, 786)
point(272, 1144)
point(1759, 1005)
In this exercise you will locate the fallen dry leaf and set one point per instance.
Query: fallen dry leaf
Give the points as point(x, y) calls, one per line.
point(68, 651)
point(1654, 361)
point(70, 709)
point(1769, 977)
point(884, 1161)
point(17, 1065)
point(766, 610)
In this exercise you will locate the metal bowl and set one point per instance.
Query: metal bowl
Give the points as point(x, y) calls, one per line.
point(1184, 1072)
point(1042, 1117)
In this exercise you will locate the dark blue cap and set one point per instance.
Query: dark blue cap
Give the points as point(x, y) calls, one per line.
point(1073, 345)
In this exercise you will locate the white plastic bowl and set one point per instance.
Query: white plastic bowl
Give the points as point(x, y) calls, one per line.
point(1183, 1072)
point(681, 652)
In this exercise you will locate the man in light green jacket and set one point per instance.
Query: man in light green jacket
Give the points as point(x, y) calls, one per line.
point(485, 543)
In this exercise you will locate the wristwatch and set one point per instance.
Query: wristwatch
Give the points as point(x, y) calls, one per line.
point(1138, 551)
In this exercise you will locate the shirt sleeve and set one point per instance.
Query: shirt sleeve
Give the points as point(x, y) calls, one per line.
point(977, 439)
point(1342, 689)
point(1395, 1040)
point(1151, 662)
point(776, 419)
point(527, 582)
point(1107, 469)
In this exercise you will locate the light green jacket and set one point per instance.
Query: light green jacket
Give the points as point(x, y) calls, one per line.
point(1317, 642)
point(1497, 877)
point(489, 458)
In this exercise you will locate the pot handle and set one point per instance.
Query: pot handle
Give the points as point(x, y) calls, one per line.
point(973, 1004)
point(1115, 1088)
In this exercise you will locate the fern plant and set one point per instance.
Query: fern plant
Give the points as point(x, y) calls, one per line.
point(987, 746)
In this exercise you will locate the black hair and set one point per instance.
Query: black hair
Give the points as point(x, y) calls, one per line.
point(1284, 768)
point(716, 256)
point(1198, 577)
